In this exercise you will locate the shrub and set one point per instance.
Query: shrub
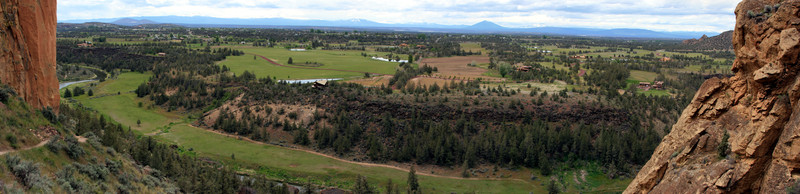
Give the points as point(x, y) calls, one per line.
point(50, 115)
point(794, 188)
point(29, 174)
point(55, 145)
point(722, 148)
point(6, 93)
point(73, 148)
point(12, 140)
point(66, 179)
point(113, 166)
point(93, 171)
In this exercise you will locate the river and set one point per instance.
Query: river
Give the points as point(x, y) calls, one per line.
point(65, 84)
point(305, 81)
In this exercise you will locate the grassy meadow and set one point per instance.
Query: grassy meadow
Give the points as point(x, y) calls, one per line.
point(331, 60)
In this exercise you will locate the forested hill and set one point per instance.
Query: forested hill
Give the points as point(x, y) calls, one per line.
point(718, 42)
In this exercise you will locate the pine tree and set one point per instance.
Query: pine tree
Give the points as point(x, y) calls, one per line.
point(390, 188)
point(413, 185)
point(67, 93)
point(290, 60)
point(465, 166)
point(552, 188)
point(91, 93)
point(362, 186)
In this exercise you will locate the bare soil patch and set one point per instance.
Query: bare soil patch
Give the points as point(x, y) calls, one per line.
point(457, 68)
point(376, 81)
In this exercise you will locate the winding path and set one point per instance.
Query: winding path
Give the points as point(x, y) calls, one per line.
point(43, 143)
point(351, 162)
point(4, 152)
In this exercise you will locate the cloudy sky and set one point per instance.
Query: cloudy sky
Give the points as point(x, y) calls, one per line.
point(659, 15)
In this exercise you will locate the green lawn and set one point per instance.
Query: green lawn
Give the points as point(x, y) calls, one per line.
point(644, 76)
point(125, 82)
point(338, 60)
point(654, 92)
point(473, 46)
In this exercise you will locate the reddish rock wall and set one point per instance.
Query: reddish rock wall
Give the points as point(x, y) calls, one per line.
point(758, 108)
point(28, 50)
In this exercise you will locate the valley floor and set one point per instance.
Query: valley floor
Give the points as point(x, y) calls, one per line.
point(116, 100)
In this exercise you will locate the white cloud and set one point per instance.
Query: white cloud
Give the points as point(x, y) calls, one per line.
point(662, 15)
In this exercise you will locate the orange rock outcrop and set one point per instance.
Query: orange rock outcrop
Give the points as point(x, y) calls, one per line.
point(28, 50)
point(758, 108)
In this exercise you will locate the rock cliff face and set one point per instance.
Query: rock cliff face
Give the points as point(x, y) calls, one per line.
point(758, 108)
point(28, 50)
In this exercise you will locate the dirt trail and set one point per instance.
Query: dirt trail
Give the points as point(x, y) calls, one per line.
point(43, 143)
point(298, 67)
point(352, 162)
point(4, 152)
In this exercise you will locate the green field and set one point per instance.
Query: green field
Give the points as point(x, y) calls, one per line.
point(125, 82)
point(473, 46)
point(644, 76)
point(115, 99)
point(336, 60)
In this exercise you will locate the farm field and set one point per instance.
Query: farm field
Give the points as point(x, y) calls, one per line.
point(351, 63)
point(474, 47)
point(644, 76)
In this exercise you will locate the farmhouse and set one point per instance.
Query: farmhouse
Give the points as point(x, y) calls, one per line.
point(524, 68)
point(665, 59)
point(644, 86)
point(162, 54)
point(658, 85)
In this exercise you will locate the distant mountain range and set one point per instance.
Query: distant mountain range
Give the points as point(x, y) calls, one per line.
point(481, 27)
